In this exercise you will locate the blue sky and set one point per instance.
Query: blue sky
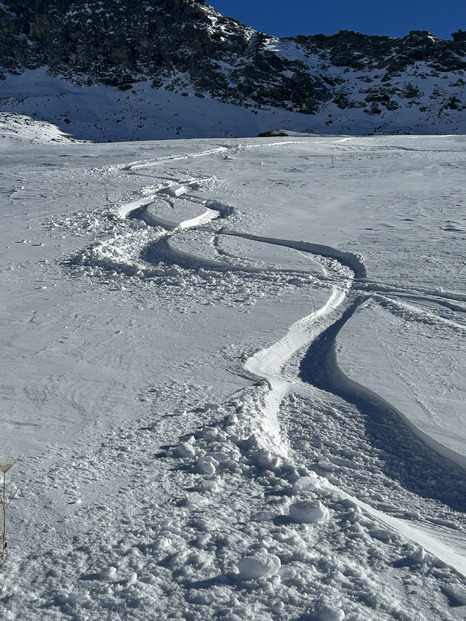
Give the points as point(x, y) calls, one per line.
point(393, 17)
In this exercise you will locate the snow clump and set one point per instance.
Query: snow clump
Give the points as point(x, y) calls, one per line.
point(261, 565)
point(309, 511)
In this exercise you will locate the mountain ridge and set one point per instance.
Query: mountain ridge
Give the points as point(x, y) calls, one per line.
point(186, 47)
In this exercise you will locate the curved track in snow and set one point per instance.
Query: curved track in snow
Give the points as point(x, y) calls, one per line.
point(311, 340)
point(194, 427)
point(316, 332)
point(385, 424)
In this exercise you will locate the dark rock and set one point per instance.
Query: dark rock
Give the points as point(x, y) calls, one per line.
point(188, 47)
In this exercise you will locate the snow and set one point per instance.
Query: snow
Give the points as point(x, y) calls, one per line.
point(402, 356)
point(232, 372)
point(261, 565)
point(309, 511)
point(103, 113)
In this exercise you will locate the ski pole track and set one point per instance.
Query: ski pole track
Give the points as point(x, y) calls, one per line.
point(403, 458)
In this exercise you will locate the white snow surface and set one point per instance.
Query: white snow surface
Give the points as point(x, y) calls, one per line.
point(233, 374)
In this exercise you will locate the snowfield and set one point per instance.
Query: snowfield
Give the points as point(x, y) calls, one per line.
point(233, 374)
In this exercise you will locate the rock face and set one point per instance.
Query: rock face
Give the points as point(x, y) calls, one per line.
point(182, 45)
point(175, 43)
point(358, 51)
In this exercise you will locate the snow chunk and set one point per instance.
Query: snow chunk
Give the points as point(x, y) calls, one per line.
point(309, 511)
point(330, 613)
point(177, 190)
point(207, 465)
point(261, 565)
point(266, 459)
point(419, 556)
point(185, 450)
point(108, 573)
point(303, 484)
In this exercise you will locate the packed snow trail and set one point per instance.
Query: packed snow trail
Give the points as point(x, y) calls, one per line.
point(348, 259)
point(317, 333)
point(266, 364)
point(165, 250)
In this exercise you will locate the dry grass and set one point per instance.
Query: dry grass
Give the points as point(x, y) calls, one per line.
point(5, 467)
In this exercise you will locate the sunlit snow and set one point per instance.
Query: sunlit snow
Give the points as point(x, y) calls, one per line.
point(233, 374)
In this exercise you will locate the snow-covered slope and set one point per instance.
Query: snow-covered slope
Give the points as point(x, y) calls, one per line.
point(232, 373)
point(102, 113)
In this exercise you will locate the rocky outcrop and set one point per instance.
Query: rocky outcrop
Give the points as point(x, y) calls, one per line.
point(175, 43)
point(18, 48)
point(364, 52)
point(187, 46)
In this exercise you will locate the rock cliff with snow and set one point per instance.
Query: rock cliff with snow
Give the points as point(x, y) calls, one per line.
point(345, 82)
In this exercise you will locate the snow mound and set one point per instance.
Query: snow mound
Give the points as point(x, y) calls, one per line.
point(311, 482)
point(329, 613)
point(22, 127)
point(171, 214)
point(260, 565)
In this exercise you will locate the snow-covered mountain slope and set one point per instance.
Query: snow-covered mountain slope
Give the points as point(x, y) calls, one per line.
point(232, 372)
point(139, 69)
point(102, 113)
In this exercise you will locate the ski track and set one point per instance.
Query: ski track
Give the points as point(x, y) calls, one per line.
point(133, 167)
point(228, 487)
point(262, 411)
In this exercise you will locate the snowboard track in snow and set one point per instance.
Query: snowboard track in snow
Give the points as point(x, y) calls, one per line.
point(384, 424)
point(404, 452)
